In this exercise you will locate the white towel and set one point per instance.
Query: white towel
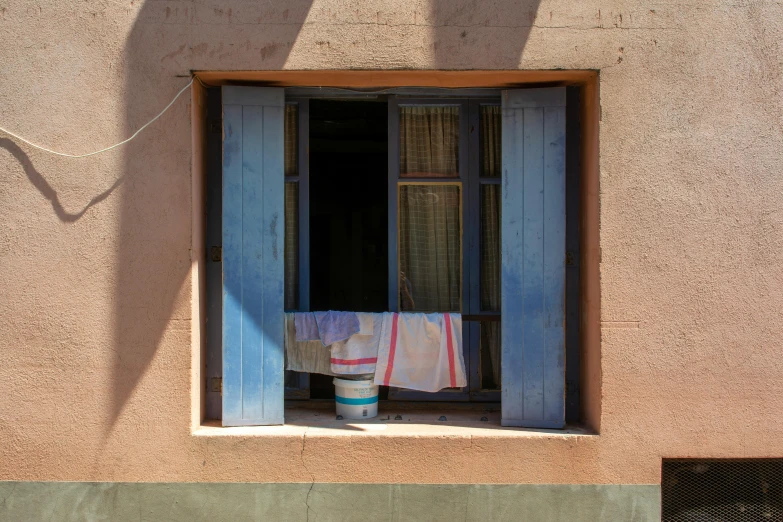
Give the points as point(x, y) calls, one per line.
point(366, 323)
point(421, 352)
point(357, 354)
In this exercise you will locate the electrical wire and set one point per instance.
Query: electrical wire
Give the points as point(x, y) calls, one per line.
point(107, 148)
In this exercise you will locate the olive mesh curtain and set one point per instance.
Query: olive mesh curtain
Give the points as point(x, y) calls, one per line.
point(429, 142)
point(430, 248)
point(430, 239)
point(290, 140)
point(291, 242)
point(491, 128)
point(291, 246)
point(490, 140)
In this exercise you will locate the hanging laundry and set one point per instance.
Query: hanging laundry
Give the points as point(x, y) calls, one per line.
point(336, 326)
point(304, 356)
point(306, 327)
point(329, 327)
point(421, 352)
point(357, 355)
point(366, 323)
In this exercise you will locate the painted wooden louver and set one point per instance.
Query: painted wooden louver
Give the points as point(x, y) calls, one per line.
point(533, 258)
point(253, 229)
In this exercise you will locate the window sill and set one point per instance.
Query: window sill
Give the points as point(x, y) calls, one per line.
point(414, 424)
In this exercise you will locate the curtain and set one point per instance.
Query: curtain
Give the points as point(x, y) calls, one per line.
point(291, 136)
point(429, 142)
point(490, 141)
point(430, 248)
point(490, 274)
point(491, 164)
point(489, 353)
point(291, 240)
point(490, 248)
point(291, 246)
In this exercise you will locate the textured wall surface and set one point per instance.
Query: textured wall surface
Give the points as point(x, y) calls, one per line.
point(95, 254)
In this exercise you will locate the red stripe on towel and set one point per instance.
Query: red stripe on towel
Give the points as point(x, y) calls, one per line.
point(348, 362)
point(392, 348)
point(450, 346)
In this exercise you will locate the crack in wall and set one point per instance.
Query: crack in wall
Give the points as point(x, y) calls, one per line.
point(312, 476)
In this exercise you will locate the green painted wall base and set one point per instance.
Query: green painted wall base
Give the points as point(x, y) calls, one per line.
point(193, 502)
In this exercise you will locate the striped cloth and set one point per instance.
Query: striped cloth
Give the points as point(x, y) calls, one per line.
point(357, 355)
point(421, 352)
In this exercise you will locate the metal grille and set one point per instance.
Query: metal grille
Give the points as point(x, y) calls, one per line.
point(726, 490)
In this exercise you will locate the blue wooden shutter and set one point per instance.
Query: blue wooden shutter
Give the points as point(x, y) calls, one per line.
point(253, 228)
point(533, 258)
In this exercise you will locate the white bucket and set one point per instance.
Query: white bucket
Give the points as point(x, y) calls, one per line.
point(356, 399)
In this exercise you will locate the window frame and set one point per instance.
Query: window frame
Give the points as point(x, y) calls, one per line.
point(586, 92)
point(301, 391)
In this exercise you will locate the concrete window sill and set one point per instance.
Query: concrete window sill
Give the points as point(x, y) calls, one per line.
point(413, 424)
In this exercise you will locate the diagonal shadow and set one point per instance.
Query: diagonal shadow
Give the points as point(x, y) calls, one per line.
point(474, 34)
point(46, 190)
point(152, 312)
point(168, 40)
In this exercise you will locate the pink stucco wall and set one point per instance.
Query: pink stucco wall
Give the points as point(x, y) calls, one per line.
point(98, 267)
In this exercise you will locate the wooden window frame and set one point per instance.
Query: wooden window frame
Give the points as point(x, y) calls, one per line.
point(583, 262)
point(302, 389)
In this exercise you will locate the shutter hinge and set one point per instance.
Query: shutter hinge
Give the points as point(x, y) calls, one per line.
point(217, 385)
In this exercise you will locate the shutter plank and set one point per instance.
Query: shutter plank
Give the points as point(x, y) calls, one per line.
point(554, 264)
point(533, 262)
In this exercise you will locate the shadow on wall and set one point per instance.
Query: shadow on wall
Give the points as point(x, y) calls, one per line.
point(46, 190)
point(170, 39)
point(471, 34)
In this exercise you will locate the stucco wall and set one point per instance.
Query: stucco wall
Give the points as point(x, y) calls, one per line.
point(95, 254)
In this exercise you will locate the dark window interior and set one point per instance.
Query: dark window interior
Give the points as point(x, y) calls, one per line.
point(348, 214)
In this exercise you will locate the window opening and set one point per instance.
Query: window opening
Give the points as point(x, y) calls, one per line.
point(348, 197)
point(434, 227)
point(448, 152)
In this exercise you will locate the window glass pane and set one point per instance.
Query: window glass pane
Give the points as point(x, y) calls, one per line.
point(429, 142)
point(291, 246)
point(291, 132)
point(489, 139)
point(430, 248)
point(489, 355)
point(490, 248)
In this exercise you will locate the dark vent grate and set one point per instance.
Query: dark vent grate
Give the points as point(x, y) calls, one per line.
point(725, 490)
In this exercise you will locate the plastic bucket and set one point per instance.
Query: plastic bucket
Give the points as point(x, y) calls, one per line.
point(356, 399)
